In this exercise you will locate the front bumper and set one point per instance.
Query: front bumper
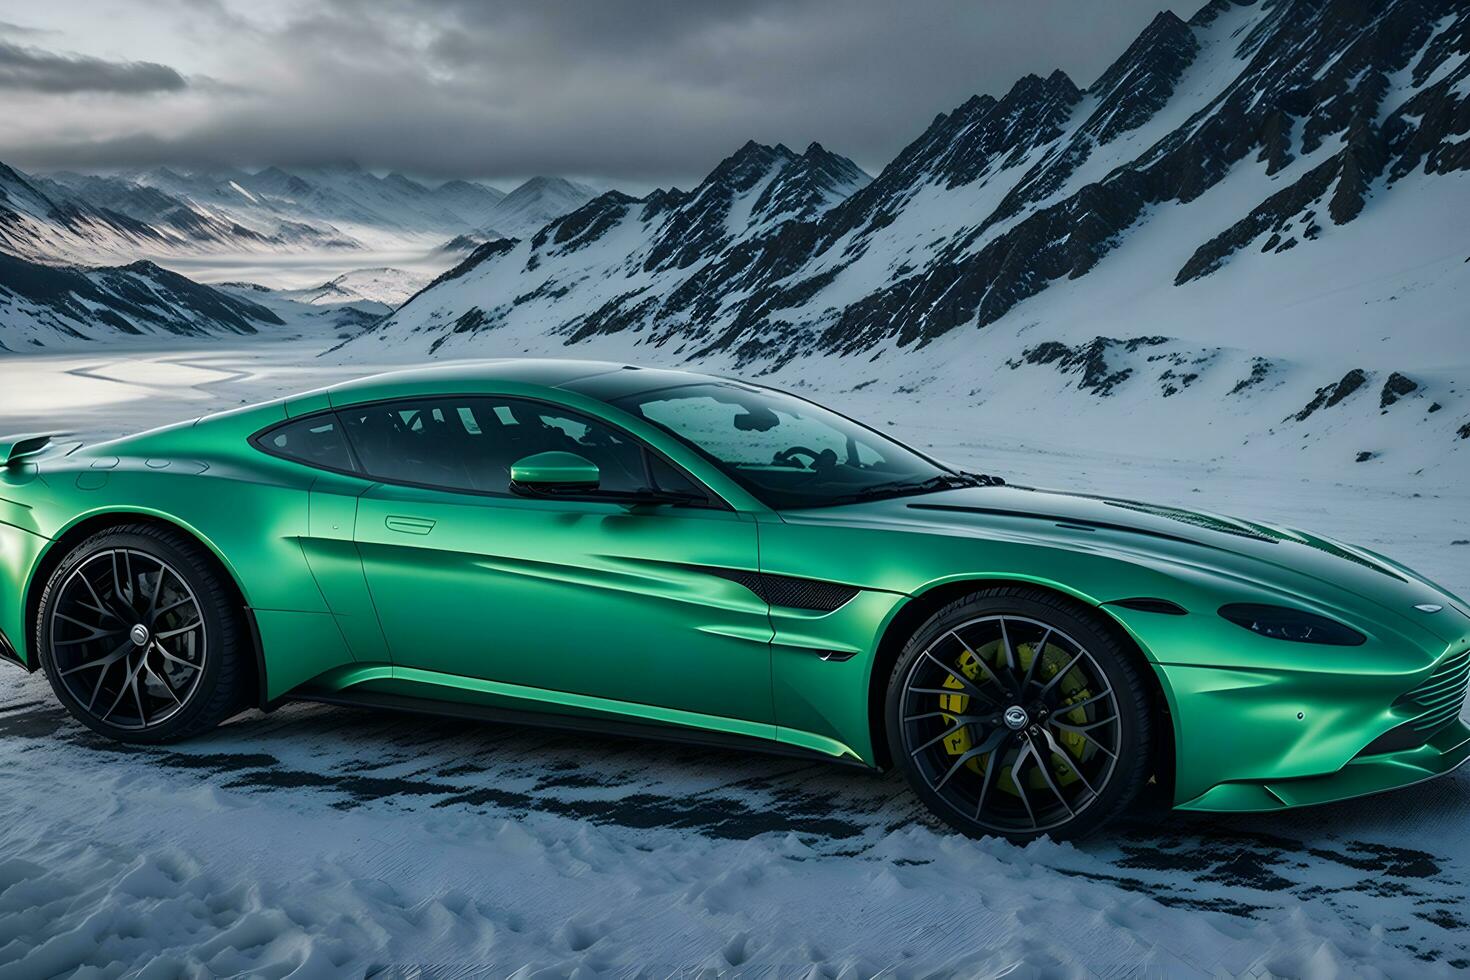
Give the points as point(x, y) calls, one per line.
point(1364, 775)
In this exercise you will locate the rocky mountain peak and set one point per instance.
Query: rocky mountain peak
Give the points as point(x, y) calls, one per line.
point(1166, 45)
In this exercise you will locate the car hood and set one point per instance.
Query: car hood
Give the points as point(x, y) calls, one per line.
point(1283, 558)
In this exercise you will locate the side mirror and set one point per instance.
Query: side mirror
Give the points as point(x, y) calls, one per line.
point(758, 419)
point(553, 473)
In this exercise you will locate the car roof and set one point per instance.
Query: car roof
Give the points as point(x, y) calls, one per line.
point(598, 379)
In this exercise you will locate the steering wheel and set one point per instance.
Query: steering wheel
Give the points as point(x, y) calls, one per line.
point(787, 457)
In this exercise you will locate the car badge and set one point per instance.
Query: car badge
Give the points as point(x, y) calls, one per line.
point(1428, 607)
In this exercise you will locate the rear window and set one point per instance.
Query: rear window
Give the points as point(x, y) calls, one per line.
point(314, 441)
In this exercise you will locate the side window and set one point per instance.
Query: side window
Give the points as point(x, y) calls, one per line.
point(471, 443)
point(315, 441)
point(429, 441)
point(667, 477)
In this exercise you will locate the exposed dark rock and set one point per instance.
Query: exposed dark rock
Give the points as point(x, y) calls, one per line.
point(472, 320)
point(586, 224)
point(1396, 387)
point(1275, 138)
point(809, 185)
point(1090, 360)
point(1364, 456)
point(1260, 369)
point(698, 226)
point(1330, 395)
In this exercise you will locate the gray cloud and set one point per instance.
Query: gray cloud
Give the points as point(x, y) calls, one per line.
point(34, 70)
point(16, 30)
point(623, 90)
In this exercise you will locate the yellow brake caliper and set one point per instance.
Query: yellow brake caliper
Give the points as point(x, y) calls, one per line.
point(1054, 658)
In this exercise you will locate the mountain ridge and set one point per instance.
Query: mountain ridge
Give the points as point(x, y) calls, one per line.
point(1059, 212)
point(83, 218)
point(1257, 154)
point(41, 304)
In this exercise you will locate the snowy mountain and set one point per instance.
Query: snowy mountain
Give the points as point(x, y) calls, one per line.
point(1245, 208)
point(362, 207)
point(533, 204)
point(381, 289)
point(523, 211)
point(617, 253)
point(467, 243)
point(42, 305)
point(89, 218)
point(47, 221)
point(472, 203)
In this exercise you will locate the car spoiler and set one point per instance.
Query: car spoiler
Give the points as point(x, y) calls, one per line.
point(19, 447)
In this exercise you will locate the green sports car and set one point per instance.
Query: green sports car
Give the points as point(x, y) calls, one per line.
point(618, 548)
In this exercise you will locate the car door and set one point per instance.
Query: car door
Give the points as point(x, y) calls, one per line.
point(594, 599)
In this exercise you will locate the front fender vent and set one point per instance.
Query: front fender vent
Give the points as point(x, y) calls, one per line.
point(790, 591)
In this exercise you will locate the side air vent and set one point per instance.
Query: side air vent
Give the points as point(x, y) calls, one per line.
point(1143, 604)
point(789, 591)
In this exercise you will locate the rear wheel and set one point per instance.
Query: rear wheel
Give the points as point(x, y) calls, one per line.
point(140, 637)
point(1014, 712)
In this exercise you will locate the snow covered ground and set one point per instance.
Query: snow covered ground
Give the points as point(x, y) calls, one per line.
point(321, 841)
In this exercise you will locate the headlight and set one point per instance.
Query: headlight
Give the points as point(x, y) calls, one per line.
point(1282, 623)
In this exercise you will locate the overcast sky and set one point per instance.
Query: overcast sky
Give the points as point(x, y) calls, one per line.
point(626, 92)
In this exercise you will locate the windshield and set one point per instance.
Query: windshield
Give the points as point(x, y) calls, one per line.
point(787, 452)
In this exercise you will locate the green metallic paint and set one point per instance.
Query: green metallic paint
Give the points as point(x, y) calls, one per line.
point(607, 610)
point(581, 596)
point(555, 469)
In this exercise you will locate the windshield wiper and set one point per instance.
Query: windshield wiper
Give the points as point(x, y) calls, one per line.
point(943, 481)
point(984, 479)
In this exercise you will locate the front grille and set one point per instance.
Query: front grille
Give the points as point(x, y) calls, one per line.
point(1440, 698)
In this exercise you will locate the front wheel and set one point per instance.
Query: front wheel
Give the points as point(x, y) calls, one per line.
point(139, 636)
point(1013, 712)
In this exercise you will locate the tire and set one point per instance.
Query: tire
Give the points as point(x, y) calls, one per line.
point(116, 642)
point(1081, 741)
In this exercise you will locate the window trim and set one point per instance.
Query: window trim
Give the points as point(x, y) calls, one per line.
point(713, 500)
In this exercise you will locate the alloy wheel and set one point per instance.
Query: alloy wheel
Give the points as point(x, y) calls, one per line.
point(128, 638)
point(1012, 723)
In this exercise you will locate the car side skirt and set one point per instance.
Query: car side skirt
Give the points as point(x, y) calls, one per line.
point(427, 692)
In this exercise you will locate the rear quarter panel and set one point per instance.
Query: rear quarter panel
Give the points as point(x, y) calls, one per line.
point(249, 509)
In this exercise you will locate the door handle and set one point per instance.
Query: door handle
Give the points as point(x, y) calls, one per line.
point(409, 525)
